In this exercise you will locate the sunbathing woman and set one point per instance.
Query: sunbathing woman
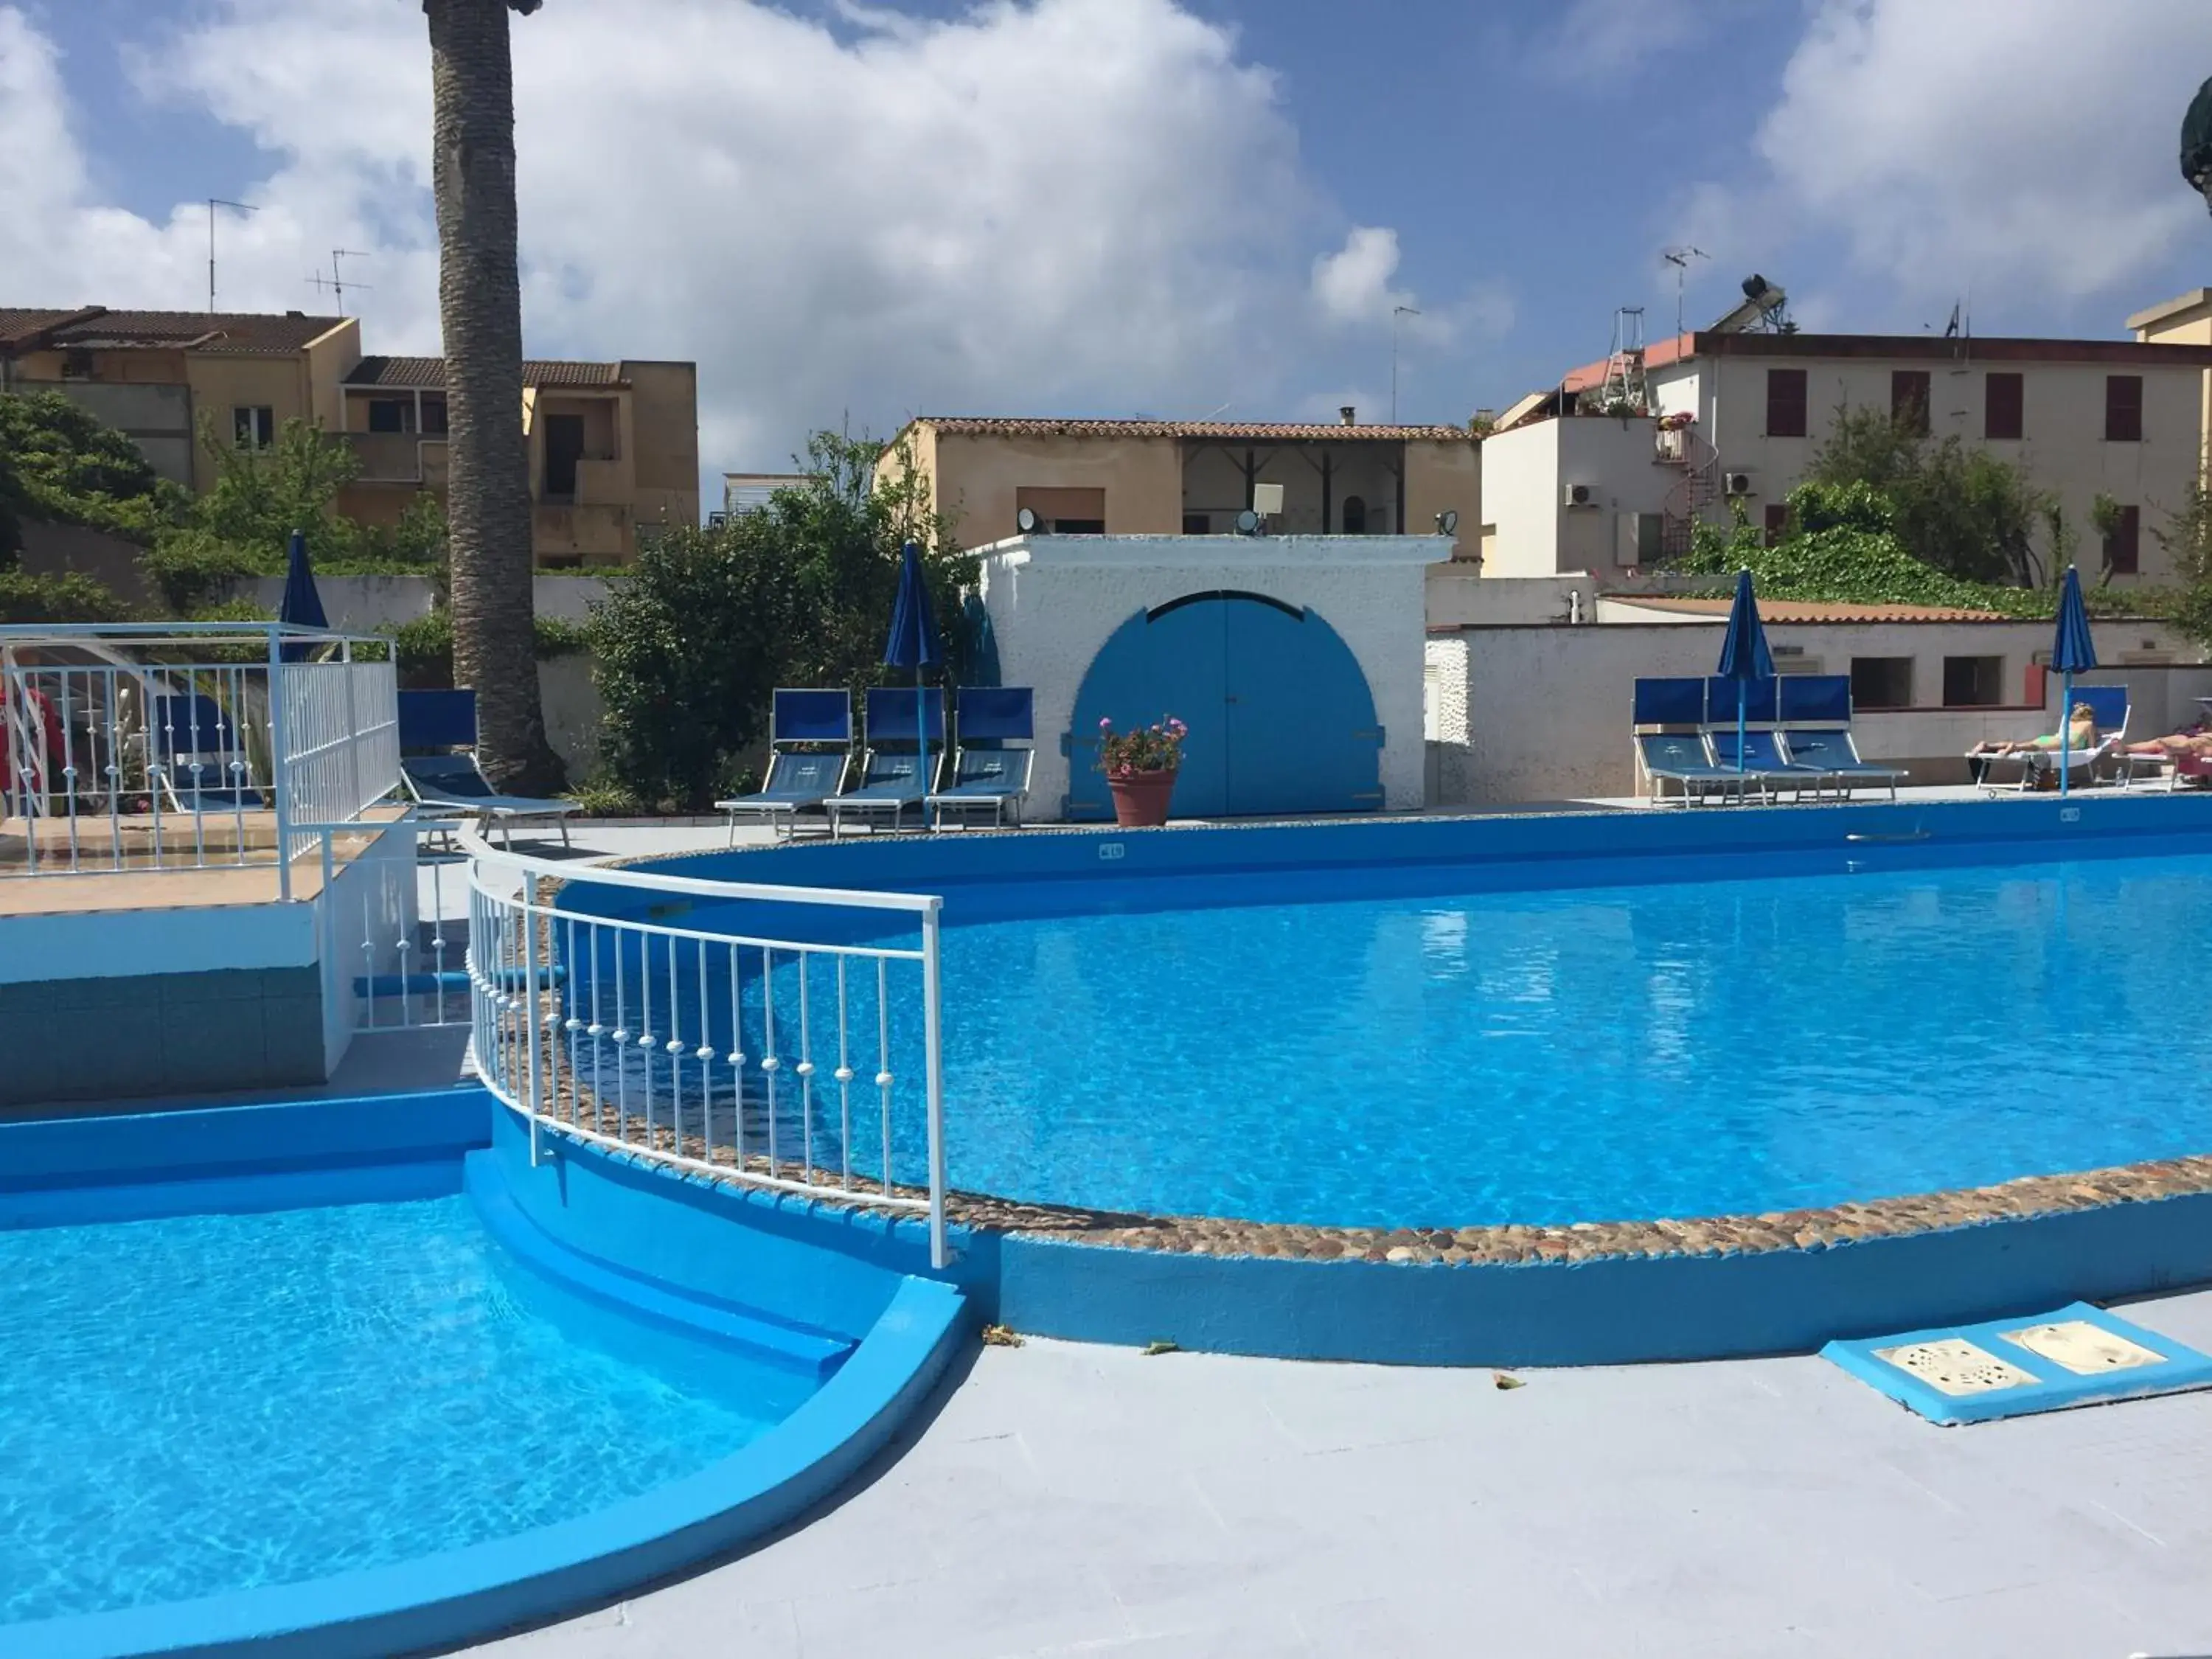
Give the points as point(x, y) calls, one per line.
point(2080, 736)
point(2197, 740)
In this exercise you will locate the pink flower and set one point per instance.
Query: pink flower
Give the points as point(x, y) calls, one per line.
point(1105, 726)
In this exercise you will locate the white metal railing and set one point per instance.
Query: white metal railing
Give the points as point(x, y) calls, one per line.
point(186, 745)
point(392, 928)
point(720, 1045)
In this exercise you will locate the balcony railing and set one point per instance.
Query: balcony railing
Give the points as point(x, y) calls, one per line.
point(187, 746)
point(399, 457)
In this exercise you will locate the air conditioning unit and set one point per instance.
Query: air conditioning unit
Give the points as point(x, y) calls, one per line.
point(1736, 484)
point(1580, 495)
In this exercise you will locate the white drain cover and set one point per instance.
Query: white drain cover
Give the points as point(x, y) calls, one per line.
point(2083, 1348)
point(1954, 1366)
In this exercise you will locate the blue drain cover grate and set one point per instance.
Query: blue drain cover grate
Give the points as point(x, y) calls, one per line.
point(2078, 1356)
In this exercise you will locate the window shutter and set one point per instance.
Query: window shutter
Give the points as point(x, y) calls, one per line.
point(2004, 406)
point(2123, 399)
point(1786, 402)
point(1908, 399)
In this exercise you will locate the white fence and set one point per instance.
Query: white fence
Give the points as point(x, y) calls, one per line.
point(698, 1029)
point(186, 745)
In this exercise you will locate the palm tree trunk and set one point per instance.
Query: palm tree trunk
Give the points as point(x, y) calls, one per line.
point(480, 311)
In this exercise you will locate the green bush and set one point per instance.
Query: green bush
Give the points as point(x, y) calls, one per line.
point(423, 647)
point(62, 465)
point(63, 598)
point(688, 646)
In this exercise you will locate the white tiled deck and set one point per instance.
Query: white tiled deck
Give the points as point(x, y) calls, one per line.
point(1067, 1500)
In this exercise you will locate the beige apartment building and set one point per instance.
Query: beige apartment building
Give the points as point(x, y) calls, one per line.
point(1190, 477)
point(1739, 416)
point(613, 447)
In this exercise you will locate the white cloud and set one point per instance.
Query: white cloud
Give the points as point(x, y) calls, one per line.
point(1043, 205)
point(1601, 41)
point(1353, 285)
point(2025, 147)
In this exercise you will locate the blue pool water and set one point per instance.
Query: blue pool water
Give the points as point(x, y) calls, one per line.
point(216, 1403)
point(1637, 1052)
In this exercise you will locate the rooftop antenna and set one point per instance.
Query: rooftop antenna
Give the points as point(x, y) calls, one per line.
point(213, 202)
point(1679, 257)
point(1396, 311)
point(336, 282)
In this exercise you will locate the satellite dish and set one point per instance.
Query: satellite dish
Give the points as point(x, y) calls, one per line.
point(1025, 520)
point(1247, 522)
point(1448, 522)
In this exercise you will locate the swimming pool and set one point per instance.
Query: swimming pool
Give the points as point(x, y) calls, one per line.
point(204, 1405)
point(1587, 1054)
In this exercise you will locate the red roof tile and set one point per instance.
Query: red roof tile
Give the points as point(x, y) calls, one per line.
point(95, 327)
point(429, 373)
point(975, 426)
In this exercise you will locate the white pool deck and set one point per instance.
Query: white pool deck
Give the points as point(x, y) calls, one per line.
point(1064, 1500)
point(1067, 1500)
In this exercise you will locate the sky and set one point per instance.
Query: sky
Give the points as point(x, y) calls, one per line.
point(849, 212)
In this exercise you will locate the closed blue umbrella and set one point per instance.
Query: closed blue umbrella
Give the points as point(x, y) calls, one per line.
point(302, 606)
point(1744, 655)
point(913, 643)
point(2072, 652)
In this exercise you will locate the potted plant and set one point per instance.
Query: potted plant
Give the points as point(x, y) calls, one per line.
point(1141, 767)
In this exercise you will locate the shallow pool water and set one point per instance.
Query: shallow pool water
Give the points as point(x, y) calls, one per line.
point(1637, 1052)
point(216, 1403)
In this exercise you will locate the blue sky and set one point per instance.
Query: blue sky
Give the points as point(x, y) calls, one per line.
point(848, 211)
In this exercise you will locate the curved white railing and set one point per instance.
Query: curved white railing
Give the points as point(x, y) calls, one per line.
point(750, 1056)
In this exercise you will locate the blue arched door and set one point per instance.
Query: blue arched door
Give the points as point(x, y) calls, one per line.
point(1281, 719)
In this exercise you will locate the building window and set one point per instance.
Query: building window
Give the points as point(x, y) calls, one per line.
point(1786, 402)
point(2124, 547)
point(253, 426)
point(1777, 522)
point(1882, 681)
point(2004, 403)
point(1078, 527)
point(2123, 409)
point(390, 414)
point(1973, 681)
point(1198, 524)
point(1908, 400)
point(434, 416)
point(1355, 516)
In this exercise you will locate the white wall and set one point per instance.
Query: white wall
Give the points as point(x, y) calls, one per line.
point(1461, 595)
point(1053, 601)
point(1542, 713)
point(365, 605)
point(1520, 501)
point(1525, 475)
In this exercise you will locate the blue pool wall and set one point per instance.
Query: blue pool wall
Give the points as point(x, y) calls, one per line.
point(607, 1228)
point(989, 878)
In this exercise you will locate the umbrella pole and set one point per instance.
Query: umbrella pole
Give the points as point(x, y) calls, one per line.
point(1742, 695)
point(2065, 723)
point(921, 733)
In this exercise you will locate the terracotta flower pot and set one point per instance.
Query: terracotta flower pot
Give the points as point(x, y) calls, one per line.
point(1141, 799)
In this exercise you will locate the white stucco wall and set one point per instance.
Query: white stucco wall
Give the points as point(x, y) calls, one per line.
point(1525, 476)
point(1054, 600)
point(1521, 501)
point(1542, 713)
point(1461, 593)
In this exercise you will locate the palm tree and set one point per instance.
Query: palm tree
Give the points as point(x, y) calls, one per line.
point(480, 311)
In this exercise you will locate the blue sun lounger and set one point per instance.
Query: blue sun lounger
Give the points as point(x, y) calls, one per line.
point(986, 771)
point(1677, 756)
point(203, 763)
point(810, 751)
point(439, 768)
point(1762, 759)
point(890, 776)
point(1816, 731)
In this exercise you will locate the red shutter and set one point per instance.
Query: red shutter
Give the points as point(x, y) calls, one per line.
point(1908, 399)
point(2123, 409)
point(1786, 402)
point(1777, 522)
point(2124, 547)
point(2004, 406)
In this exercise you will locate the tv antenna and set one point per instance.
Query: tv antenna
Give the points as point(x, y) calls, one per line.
point(336, 282)
point(1679, 257)
point(1397, 313)
point(213, 202)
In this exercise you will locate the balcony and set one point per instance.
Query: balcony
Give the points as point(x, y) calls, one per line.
point(399, 457)
point(563, 534)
